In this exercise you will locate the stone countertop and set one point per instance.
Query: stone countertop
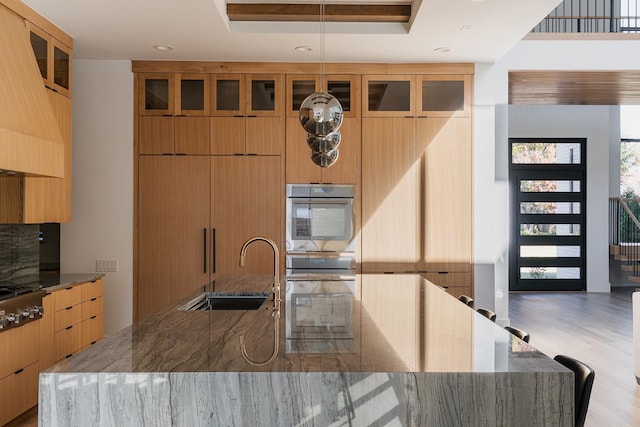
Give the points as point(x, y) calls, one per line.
point(52, 282)
point(389, 323)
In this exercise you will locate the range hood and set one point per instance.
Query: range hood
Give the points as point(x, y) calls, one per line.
point(30, 139)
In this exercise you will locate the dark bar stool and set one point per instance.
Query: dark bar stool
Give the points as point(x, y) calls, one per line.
point(519, 333)
point(466, 300)
point(487, 313)
point(583, 382)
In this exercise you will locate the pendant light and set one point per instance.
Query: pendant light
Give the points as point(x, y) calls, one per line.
point(321, 116)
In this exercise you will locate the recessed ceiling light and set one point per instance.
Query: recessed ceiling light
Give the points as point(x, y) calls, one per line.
point(441, 49)
point(465, 28)
point(303, 48)
point(163, 47)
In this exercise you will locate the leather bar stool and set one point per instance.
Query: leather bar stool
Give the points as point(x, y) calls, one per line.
point(466, 300)
point(583, 383)
point(487, 313)
point(519, 333)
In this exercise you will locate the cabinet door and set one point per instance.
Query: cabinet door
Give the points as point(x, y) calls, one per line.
point(24, 339)
point(389, 196)
point(444, 95)
point(156, 135)
point(18, 393)
point(388, 96)
point(447, 202)
point(247, 200)
point(300, 169)
point(228, 94)
point(265, 135)
point(173, 212)
point(265, 95)
point(193, 95)
point(192, 135)
point(228, 135)
point(92, 330)
point(46, 356)
point(346, 88)
point(67, 342)
point(299, 87)
point(61, 68)
point(40, 42)
point(156, 94)
point(346, 169)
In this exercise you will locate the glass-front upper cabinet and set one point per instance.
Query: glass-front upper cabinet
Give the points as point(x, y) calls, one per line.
point(344, 87)
point(53, 59)
point(444, 95)
point(228, 94)
point(169, 94)
point(265, 95)
point(388, 96)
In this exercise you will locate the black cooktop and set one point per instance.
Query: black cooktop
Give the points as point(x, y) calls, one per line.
point(21, 286)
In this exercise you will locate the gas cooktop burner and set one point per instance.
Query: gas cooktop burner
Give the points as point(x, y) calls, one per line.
point(20, 309)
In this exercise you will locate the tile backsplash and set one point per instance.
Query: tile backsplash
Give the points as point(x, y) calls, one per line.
point(19, 251)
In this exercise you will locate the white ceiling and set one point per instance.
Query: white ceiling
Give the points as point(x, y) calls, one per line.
point(200, 30)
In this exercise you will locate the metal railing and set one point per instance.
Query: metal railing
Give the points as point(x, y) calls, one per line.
point(592, 16)
point(624, 232)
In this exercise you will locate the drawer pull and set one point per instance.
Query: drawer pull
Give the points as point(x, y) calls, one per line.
point(69, 308)
point(93, 299)
point(69, 288)
point(93, 317)
point(68, 327)
point(68, 356)
point(18, 371)
point(93, 342)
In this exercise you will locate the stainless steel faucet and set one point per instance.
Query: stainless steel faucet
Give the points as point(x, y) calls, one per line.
point(276, 298)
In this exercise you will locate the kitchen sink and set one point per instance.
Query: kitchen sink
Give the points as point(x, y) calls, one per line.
point(226, 301)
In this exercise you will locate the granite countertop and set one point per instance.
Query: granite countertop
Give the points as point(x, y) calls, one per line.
point(386, 323)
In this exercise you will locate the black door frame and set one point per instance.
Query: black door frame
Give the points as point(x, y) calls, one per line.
point(518, 172)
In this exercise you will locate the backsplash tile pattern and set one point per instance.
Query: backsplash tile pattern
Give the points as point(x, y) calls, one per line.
point(19, 251)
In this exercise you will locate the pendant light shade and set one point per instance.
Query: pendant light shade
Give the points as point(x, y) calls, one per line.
point(325, 159)
point(324, 143)
point(320, 114)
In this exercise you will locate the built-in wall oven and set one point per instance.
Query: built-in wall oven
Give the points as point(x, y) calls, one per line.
point(320, 267)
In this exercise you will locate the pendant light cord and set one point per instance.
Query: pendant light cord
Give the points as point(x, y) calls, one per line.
point(322, 36)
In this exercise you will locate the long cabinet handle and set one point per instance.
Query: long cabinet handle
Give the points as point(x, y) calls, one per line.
point(213, 250)
point(205, 250)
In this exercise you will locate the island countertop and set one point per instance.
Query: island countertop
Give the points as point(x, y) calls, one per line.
point(399, 340)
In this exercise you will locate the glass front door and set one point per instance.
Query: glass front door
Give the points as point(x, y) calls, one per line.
point(547, 178)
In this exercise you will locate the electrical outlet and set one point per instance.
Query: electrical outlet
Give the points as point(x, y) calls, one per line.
point(106, 265)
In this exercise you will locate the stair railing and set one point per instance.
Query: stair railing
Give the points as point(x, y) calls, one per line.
point(592, 16)
point(624, 232)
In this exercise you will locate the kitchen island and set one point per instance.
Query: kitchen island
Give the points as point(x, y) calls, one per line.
point(397, 350)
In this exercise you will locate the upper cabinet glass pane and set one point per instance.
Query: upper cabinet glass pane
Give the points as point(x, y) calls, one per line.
point(263, 95)
point(341, 89)
point(40, 49)
point(389, 95)
point(550, 153)
point(156, 94)
point(227, 95)
point(61, 68)
point(442, 95)
point(192, 94)
point(301, 89)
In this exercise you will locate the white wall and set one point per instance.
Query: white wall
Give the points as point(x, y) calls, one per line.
point(592, 123)
point(102, 182)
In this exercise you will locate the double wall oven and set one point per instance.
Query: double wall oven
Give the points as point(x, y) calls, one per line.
point(320, 267)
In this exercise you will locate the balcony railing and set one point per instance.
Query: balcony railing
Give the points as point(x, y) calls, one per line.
point(592, 16)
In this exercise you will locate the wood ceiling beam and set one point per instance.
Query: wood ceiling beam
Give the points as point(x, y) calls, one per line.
point(311, 12)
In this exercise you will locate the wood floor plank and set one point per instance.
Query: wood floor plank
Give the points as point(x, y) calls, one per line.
point(595, 328)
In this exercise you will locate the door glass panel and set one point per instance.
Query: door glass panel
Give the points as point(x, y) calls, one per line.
point(156, 94)
point(389, 95)
point(537, 273)
point(263, 95)
point(192, 95)
point(550, 208)
point(341, 89)
point(554, 153)
point(227, 95)
point(549, 229)
point(442, 95)
point(300, 91)
point(39, 46)
point(61, 68)
point(549, 186)
point(549, 251)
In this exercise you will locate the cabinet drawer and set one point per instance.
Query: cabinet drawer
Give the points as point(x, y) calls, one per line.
point(68, 341)
point(90, 308)
point(18, 393)
point(67, 297)
point(92, 290)
point(24, 339)
point(92, 330)
point(67, 317)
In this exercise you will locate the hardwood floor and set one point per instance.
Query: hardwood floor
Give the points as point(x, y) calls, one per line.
point(28, 419)
point(595, 328)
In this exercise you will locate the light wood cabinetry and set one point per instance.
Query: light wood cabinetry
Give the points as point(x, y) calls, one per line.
point(53, 58)
point(455, 284)
point(18, 371)
point(46, 347)
point(345, 87)
point(388, 95)
point(301, 169)
point(173, 229)
point(247, 135)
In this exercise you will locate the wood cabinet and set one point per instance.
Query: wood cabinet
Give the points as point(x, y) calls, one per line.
point(301, 169)
point(247, 200)
point(46, 347)
point(53, 58)
point(18, 371)
point(454, 283)
point(173, 229)
point(388, 95)
point(173, 135)
point(345, 87)
point(247, 135)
